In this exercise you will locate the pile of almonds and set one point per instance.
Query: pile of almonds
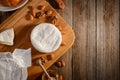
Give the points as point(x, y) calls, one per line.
point(32, 14)
point(47, 58)
point(60, 63)
point(42, 13)
point(50, 57)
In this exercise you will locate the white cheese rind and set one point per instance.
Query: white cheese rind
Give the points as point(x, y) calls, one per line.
point(46, 38)
point(9, 70)
point(7, 37)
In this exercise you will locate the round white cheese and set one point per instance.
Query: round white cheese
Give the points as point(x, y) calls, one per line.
point(46, 38)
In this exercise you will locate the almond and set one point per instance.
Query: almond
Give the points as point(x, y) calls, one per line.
point(54, 19)
point(48, 13)
point(41, 7)
point(45, 60)
point(62, 63)
point(39, 14)
point(63, 44)
point(60, 4)
point(60, 77)
point(58, 64)
point(60, 27)
point(29, 17)
point(50, 57)
point(42, 58)
point(32, 10)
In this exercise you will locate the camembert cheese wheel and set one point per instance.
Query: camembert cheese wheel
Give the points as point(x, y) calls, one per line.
point(46, 38)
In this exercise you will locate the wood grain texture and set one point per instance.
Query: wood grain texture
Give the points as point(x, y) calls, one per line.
point(108, 39)
point(84, 50)
point(95, 54)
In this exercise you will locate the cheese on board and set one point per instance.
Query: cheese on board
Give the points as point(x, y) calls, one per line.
point(7, 37)
point(46, 38)
point(9, 68)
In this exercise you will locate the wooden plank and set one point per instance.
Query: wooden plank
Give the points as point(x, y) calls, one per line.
point(84, 49)
point(66, 72)
point(4, 15)
point(22, 28)
point(107, 39)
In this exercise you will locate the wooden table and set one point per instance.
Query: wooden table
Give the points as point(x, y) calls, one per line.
point(95, 53)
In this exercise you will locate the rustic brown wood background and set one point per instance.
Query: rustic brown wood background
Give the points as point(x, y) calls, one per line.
point(95, 53)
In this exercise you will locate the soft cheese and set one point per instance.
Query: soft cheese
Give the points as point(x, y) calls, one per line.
point(7, 37)
point(46, 38)
point(13, 66)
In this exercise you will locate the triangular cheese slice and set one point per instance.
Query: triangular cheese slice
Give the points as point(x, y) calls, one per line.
point(7, 37)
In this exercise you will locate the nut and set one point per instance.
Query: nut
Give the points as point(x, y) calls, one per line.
point(29, 17)
point(62, 63)
point(30, 7)
point(63, 44)
point(32, 10)
point(43, 59)
point(60, 27)
point(41, 7)
point(58, 64)
point(60, 4)
point(54, 19)
point(60, 77)
point(50, 57)
point(39, 14)
point(48, 13)
point(33, 13)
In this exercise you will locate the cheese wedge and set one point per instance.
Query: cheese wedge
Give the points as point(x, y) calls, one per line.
point(46, 38)
point(7, 37)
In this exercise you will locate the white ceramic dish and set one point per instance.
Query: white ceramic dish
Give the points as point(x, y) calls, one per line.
point(3, 8)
